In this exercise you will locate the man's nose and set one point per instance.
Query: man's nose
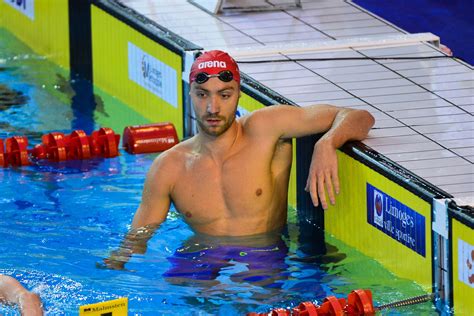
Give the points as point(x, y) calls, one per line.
point(213, 106)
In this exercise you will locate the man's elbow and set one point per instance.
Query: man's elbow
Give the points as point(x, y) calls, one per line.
point(368, 119)
point(364, 121)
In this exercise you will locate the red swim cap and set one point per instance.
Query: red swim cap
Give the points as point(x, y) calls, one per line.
point(212, 63)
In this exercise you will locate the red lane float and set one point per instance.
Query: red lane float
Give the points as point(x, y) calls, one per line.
point(149, 138)
point(104, 143)
point(16, 151)
point(78, 145)
point(358, 303)
point(3, 160)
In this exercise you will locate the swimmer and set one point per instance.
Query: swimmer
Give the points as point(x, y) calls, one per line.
point(12, 292)
point(231, 178)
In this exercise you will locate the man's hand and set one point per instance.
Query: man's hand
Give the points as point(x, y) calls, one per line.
point(116, 260)
point(134, 242)
point(323, 174)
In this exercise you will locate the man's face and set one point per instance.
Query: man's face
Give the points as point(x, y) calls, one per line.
point(215, 103)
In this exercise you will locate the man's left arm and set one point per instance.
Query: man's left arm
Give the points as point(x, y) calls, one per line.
point(323, 175)
point(340, 124)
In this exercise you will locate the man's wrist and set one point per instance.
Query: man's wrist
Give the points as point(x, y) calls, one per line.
point(325, 141)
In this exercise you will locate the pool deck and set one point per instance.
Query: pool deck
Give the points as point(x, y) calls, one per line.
point(423, 108)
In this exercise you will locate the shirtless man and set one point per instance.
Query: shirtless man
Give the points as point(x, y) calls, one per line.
point(231, 179)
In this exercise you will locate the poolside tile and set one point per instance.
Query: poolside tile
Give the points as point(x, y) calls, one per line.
point(366, 69)
point(468, 108)
point(468, 84)
point(357, 31)
point(419, 96)
point(457, 188)
point(465, 151)
point(362, 77)
point(458, 93)
point(420, 64)
point(387, 91)
point(430, 120)
point(462, 100)
point(324, 87)
point(288, 75)
point(407, 148)
point(395, 140)
point(252, 69)
point(331, 26)
point(465, 76)
point(445, 127)
point(388, 132)
point(457, 143)
point(299, 81)
point(408, 105)
point(438, 111)
point(445, 171)
point(435, 163)
point(334, 95)
point(456, 179)
point(387, 123)
point(451, 135)
point(428, 154)
point(399, 82)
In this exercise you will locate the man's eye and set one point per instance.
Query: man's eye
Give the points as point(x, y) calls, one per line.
point(201, 94)
point(225, 96)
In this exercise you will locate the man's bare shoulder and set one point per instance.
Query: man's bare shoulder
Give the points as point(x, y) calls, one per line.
point(262, 120)
point(173, 159)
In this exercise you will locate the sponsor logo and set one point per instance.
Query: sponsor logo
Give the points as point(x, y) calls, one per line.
point(152, 75)
point(113, 307)
point(145, 67)
point(24, 6)
point(396, 220)
point(466, 263)
point(378, 208)
point(212, 64)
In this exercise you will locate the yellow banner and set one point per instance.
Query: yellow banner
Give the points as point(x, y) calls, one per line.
point(118, 307)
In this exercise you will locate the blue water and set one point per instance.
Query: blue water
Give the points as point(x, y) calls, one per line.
point(58, 220)
point(451, 20)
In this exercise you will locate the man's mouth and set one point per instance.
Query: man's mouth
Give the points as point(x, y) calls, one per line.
point(213, 121)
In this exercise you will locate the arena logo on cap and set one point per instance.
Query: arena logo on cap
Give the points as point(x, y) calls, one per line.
point(212, 64)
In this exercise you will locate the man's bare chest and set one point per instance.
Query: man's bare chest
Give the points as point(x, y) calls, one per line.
point(208, 190)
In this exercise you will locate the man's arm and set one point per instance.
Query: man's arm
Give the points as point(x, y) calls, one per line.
point(12, 292)
point(149, 215)
point(340, 124)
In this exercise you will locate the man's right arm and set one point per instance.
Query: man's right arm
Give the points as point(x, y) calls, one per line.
point(150, 214)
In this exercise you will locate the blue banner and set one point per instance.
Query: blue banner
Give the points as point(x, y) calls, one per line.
point(396, 219)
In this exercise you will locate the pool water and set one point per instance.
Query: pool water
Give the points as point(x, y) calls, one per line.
point(58, 220)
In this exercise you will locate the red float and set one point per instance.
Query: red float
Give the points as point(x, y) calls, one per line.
point(78, 147)
point(104, 143)
point(55, 146)
point(3, 160)
point(149, 138)
point(16, 151)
